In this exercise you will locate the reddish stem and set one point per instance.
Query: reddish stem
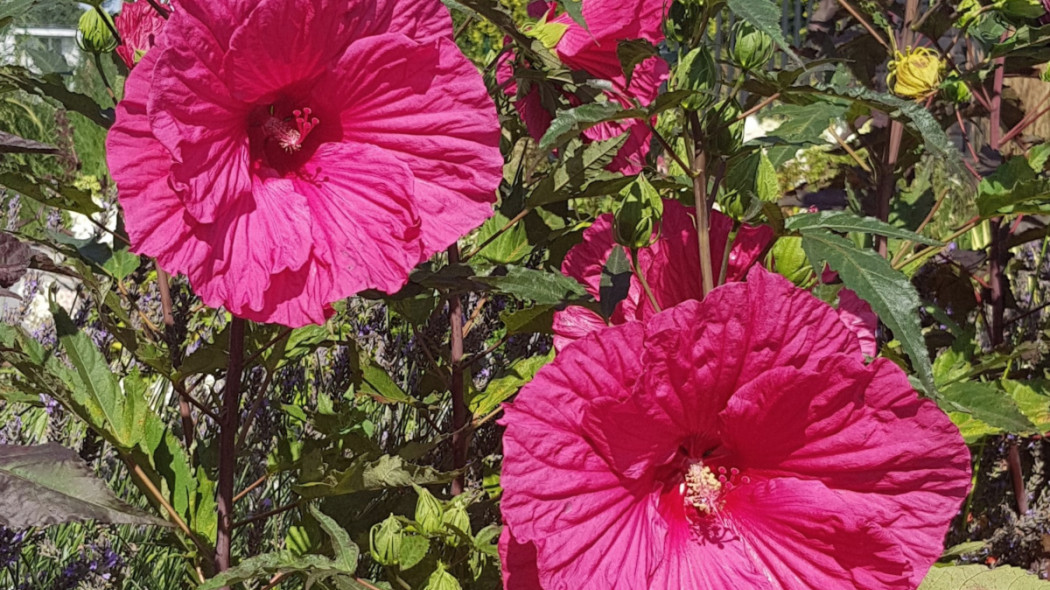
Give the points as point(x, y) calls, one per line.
point(460, 415)
point(228, 444)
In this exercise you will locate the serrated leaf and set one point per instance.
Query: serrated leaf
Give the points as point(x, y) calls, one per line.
point(121, 264)
point(52, 86)
point(509, 247)
point(579, 168)
point(346, 552)
point(571, 122)
point(13, 144)
point(1014, 187)
point(890, 294)
point(766, 185)
point(978, 577)
point(540, 287)
point(506, 386)
point(312, 567)
point(1033, 399)
point(388, 471)
point(535, 319)
point(987, 403)
point(413, 549)
point(49, 484)
point(844, 222)
point(764, 15)
point(805, 124)
point(64, 197)
point(631, 53)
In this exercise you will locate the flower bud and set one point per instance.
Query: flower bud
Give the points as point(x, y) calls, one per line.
point(916, 73)
point(697, 72)
point(442, 580)
point(752, 48)
point(456, 517)
point(548, 33)
point(94, 34)
point(789, 260)
point(956, 91)
point(682, 20)
point(429, 512)
point(723, 134)
point(385, 541)
point(637, 219)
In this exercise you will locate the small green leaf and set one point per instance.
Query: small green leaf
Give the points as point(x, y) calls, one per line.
point(631, 53)
point(540, 287)
point(844, 222)
point(889, 292)
point(571, 122)
point(615, 281)
point(121, 264)
point(535, 319)
point(509, 247)
point(413, 549)
point(579, 172)
point(502, 388)
point(978, 577)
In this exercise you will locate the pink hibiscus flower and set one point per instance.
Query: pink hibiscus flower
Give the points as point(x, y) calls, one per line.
point(139, 25)
point(737, 442)
point(284, 154)
point(594, 51)
point(671, 266)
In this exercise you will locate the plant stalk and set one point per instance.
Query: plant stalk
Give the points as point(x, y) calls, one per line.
point(228, 444)
point(460, 415)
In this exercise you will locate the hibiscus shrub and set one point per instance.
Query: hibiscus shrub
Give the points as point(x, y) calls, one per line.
point(601, 294)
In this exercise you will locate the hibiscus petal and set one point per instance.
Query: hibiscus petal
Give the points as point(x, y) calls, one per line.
point(215, 17)
point(418, 19)
point(574, 323)
point(193, 115)
point(285, 42)
point(590, 529)
point(860, 319)
point(805, 536)
point(864, 432)
point(425, 104)
point(154, 215)
point(519, 563)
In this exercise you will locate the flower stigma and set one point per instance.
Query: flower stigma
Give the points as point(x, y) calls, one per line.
point(290, 137)
point(704, 487)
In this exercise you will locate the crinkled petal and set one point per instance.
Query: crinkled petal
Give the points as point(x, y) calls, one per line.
point(416, 19)
point(590, 529)
point(154, 216)
point(608, 22)
point(573, 323)
point(287, 41)
point(864, 432)
point(218, 19)
point(860, 319)
point(712, 558)
point(193, 115)
point(426, 105)
point(519, 563)
point(803, 536)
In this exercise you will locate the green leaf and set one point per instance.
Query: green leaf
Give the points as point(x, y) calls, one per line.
point(313, 568)
point(413, 549)
point(388, 471)
point(631, 53)
point(13, 144)
point(574, 8)
point(571, 122)
point(535, 319)
point(978, 577)
point(767, 187)
point(844, 222)
point(52, 86)
point(121, 264)
point(377, 383)
point(1033, 399)
point(889, 292)
point(615, 281)
point(989, 404)
point(50, 484)
point(580, 173)
point(764, 15)
point(543, 288)
point(805, 124)
point(346, 552)
point(511, 246)
point(1014, 187)
point(502, 388)
point(58, 195)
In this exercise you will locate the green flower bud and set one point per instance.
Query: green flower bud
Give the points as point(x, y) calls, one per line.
point(637, 219)
point(429, 512)
point(682, 19)
point(548, 33)
point(456, 517)
point(789, 260)
point(442, 580)
point(752, 48)
point(697, 72)
point(723, 133)
point(956, 91)
point(94, 35)
point(1021, 8)
point(385, 541)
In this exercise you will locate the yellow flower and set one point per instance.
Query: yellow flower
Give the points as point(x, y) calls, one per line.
point(916, 73)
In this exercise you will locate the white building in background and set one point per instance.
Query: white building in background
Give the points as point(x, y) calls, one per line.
point(42, 49)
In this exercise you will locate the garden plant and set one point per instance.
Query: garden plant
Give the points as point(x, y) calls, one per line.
point(480, 294)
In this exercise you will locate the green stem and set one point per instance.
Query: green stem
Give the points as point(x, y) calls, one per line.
point(641, 279)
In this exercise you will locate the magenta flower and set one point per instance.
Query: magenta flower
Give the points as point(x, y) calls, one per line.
point(285, 154)
point(671, 266)
point(139, 25)
point(594, 51)
point(737, 442)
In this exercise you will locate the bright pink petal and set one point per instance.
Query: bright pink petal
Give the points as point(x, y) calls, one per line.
point(417, 19)
point(217, 19)
point(860, 319)
point(193, 115)
point(805, 536)
point(285, 42)
point(519, 563)
point(425, 104)
point(139, 25)
point(574, 323)
point(608, 22)
point(864, 432)
point(589, 528)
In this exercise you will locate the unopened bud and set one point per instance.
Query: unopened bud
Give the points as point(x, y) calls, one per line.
point(637, 219)
point(442, 580)
point(385, 541)
point(789, 259)
point(956, 91)
point(429, 512)
point(916, 73)
point(752, 48)
point(456, 518)
point(94, 32)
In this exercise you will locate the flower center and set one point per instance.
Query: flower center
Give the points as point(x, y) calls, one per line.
point(704, 488)
point(290, 134)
